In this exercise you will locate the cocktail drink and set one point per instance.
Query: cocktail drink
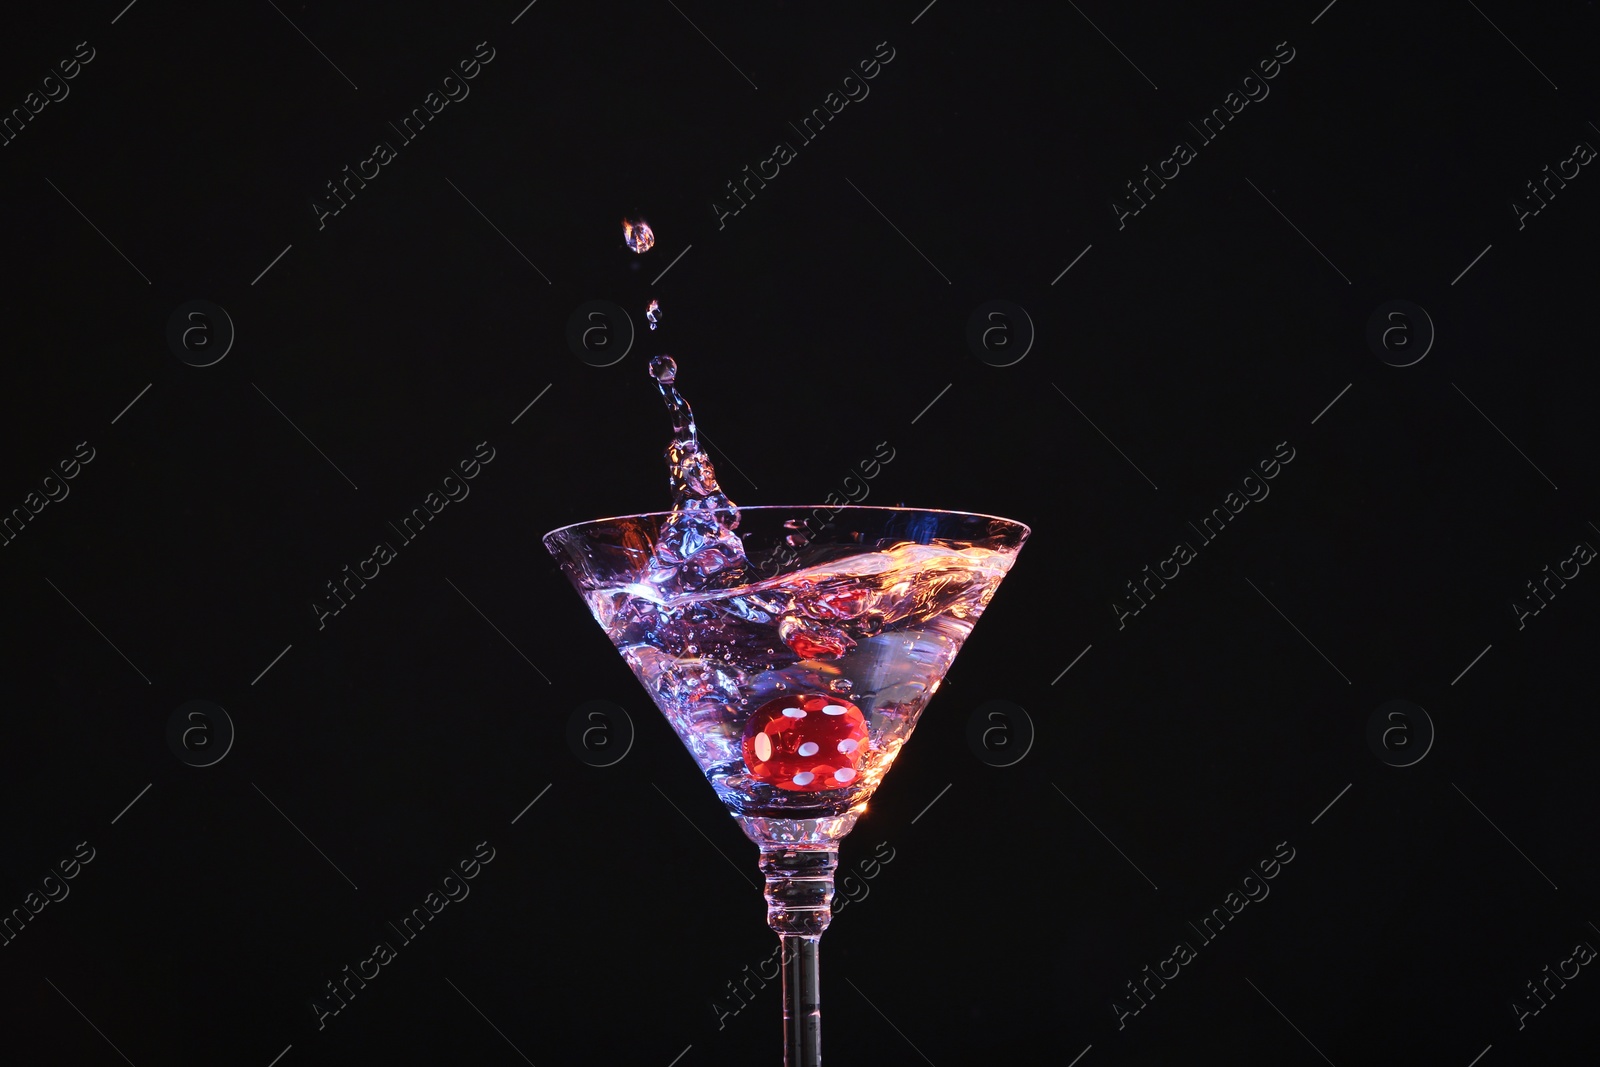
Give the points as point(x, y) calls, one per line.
point(792, 650)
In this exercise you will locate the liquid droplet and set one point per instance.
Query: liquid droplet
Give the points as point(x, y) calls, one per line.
point(652, 314)
point(841, 685)
point(638, 234)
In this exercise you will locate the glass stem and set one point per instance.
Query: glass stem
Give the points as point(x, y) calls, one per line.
point(799, 906)
point(802, 1002)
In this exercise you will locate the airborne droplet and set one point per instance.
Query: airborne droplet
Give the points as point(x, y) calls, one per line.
point(638, 234)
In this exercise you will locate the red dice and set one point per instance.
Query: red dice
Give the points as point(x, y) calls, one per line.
point(805, 742)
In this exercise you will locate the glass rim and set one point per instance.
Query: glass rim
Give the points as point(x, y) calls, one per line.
point(838, 508)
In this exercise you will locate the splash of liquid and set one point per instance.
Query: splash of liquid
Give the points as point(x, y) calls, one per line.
point(653, 313)
point(697, 542)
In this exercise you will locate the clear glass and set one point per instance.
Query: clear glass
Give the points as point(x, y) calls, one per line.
point(795, 689)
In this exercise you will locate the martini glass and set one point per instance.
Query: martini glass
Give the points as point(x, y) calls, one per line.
point(795, 688)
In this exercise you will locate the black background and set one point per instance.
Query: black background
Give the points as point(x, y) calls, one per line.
point(822, 319)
